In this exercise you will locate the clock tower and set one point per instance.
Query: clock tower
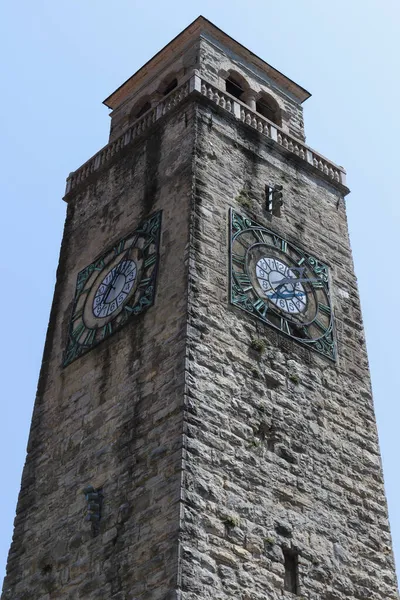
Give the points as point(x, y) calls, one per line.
point(204, 425)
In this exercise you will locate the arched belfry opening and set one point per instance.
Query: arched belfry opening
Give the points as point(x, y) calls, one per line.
point(139, 109)
point(269, 108)
point(236, 85)
point(169, 84)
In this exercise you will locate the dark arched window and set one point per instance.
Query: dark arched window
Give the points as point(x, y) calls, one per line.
point(169, 86)
point(146, 106)
point(236, 85)
point(139, 109)
point(269, 108)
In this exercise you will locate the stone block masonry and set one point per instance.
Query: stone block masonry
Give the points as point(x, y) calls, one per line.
point(225, 455)
point(216, 62)
point(282, 450)
point(113, 418)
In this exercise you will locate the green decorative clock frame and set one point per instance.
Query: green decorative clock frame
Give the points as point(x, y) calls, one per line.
point(281, 284)
point(115, 288)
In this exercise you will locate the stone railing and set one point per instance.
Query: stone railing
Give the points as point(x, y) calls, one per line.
point(255, 120)
point(223, 99)
point(227, 102)
point(317, 160)
point(290, 143)
point(143, 123)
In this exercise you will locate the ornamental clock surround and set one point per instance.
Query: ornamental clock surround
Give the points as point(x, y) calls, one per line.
point(114, 288)
point(281, 284)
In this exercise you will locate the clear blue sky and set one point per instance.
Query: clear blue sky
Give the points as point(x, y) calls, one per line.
point(61, 58)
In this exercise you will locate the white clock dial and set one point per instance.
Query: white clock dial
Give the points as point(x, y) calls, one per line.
point(279, 285)
point(114, 288)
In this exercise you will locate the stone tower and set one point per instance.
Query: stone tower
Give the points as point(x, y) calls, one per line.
point(204, 426)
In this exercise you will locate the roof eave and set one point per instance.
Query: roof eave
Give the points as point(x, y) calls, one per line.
point(179, 41)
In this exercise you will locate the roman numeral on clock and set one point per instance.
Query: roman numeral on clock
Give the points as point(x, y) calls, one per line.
point(150, 260)
point(76, 333)
point(89, 339)
point(320, 325)
point(280, 243)
point(238, 259)
point(259, 234)
point(244, 281)
point(77, 315)
point(144, 282)
point(317, 283)
point(285, 326)
point(148, 241)
point(261, 307)
point(324, 309)
point(106, 330)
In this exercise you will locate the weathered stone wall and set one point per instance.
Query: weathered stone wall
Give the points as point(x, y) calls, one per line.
point(216, 60)
point(112, 418)
point(179, 67)
point(281, 448)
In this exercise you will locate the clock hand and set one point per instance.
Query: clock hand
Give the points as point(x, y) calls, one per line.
point(299, 279)
point(287, 295)
point(119, 267)
point(118, 272)
point(294, 280)
point(108, 288)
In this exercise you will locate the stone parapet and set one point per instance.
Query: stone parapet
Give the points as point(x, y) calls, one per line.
point(140, 125)
point(195, 85)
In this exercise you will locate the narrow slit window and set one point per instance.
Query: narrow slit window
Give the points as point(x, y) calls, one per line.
point(291, 582)
point(273, 200)
point(268, 198)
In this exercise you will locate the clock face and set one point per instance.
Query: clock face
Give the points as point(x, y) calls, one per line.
point(114, 288)
point(281, 284)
